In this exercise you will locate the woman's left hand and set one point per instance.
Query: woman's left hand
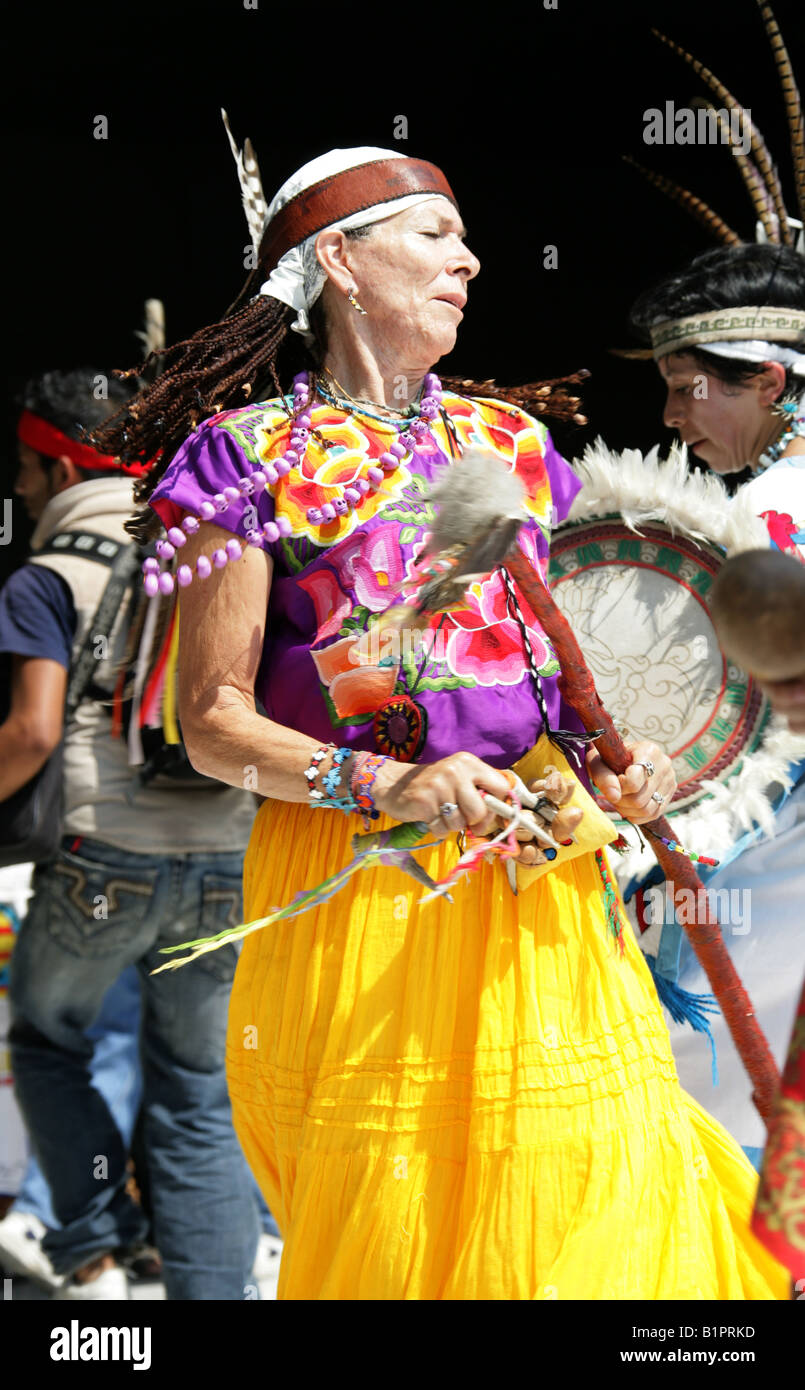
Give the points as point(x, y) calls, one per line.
point(632, 795)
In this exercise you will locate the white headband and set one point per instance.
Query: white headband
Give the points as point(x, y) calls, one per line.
point(298, 279)
point(755, 350)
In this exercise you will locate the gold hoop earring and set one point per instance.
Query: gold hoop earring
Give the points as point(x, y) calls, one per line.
point(353, 301)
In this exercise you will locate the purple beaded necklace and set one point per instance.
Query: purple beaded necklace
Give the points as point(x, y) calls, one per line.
point(161, 581)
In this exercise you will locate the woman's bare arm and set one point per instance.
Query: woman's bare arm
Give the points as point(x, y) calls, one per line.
point(221, 635)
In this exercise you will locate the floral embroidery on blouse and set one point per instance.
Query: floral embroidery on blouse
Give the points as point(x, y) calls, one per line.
point(481, 644)
point(333, 582)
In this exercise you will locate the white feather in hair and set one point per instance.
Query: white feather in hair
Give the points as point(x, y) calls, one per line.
point(251, 185)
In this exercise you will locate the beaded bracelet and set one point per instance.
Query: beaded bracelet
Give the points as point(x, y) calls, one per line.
point(364, 772)
point(332, 779)
point(312, 772)
point(330, 782)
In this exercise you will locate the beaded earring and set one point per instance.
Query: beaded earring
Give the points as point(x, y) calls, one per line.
point(787, 409)
point(353, 301)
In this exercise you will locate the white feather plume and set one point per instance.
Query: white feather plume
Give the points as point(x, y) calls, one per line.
point(646, 489)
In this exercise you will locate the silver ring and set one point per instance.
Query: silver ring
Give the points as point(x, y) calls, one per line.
point(658, 797)
point(648, 765)
point(447, 809)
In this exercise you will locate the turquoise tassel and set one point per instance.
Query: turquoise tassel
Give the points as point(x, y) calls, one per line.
point(685, 1007)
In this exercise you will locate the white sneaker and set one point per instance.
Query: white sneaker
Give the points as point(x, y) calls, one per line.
point(21, 1235)
point(111, 1284)
point(267, 1259)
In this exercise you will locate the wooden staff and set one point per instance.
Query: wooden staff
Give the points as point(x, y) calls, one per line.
point(577, 686)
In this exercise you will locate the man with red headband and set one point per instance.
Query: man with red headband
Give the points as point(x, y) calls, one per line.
point(136, 860)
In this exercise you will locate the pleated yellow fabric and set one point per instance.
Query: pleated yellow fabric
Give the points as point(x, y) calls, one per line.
point(475, 1101)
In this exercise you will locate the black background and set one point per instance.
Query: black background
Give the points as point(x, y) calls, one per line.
point(528, 110)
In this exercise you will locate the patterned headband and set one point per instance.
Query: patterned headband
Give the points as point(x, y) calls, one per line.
point(342, 195)
point(775, 325)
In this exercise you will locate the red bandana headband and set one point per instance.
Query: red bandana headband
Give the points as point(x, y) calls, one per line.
point(46, 439)
point(341, 195)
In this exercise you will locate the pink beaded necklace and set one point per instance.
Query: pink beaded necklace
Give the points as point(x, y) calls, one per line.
point(158, 580)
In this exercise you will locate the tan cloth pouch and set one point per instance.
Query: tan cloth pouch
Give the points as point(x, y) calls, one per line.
point(594, 830)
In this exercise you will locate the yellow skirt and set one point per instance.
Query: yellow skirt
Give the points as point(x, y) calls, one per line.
point(475, 1101)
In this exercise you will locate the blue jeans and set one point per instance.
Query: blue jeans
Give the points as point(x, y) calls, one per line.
point(115, 1070)
point(93, 913)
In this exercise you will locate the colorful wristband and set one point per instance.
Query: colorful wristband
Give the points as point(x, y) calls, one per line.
point(313, 771)
point(332, 779)
point(364, 772)
point(328, 799)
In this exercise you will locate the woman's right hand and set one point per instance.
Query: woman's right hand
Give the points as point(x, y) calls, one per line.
point(407, 793)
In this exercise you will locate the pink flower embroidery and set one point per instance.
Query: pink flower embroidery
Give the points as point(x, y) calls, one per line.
point(484, 641)
point(782, 531)
point(329, 600)
point(492, 654)
point(374, 569)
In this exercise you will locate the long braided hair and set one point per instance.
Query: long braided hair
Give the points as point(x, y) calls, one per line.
point(244, 358)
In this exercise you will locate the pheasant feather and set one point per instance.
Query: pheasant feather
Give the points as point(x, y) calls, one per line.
point(695, 206)
point(759, 148)
point(755, 187)
point(793, 105)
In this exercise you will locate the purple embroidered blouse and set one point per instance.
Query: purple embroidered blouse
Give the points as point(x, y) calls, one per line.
point(331, 581)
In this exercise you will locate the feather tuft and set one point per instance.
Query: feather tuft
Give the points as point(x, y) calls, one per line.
point(477, 491)
point(480, 513)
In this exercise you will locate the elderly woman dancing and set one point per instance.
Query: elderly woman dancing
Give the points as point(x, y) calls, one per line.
point(473, 1100)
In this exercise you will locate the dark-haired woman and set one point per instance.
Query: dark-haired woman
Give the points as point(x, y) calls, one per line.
point(728, 336)
point(473, 1101)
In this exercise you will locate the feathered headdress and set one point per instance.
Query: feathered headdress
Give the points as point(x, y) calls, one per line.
point(759, 174)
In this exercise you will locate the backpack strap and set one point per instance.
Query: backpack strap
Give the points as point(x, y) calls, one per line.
point(86, 544)
point(124, 564)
